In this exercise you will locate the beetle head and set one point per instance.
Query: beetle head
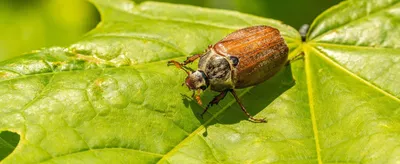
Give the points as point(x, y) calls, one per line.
point(197, 80)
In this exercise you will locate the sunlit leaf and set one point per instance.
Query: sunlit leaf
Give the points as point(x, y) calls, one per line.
point(110, 98)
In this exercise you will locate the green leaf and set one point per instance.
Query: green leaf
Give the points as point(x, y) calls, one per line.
point(111, 97)
point(353, 72)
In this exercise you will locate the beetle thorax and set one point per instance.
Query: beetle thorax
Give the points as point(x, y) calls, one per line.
point(218, 70)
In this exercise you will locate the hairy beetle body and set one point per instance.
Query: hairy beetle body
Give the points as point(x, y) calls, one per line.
point(218, 70)
point(244, 58)
point(261, 52)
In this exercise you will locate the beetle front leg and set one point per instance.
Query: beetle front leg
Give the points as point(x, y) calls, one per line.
point(197, 97)
point(191, 59)
point(188, 60)
point(293, 59)
point(178, 65)
point(244, 109)
point(215, 100)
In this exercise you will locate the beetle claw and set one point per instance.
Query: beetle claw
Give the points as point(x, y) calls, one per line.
point(264, 120)
point(169, 63)
point(260, 120)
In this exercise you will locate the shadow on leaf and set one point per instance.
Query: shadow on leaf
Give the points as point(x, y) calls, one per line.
point(255, 100)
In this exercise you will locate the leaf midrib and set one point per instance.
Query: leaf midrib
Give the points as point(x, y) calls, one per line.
point(23, 76)
point(311, 103)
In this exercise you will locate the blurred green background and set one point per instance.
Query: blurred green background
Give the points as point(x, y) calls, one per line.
point(27, 25)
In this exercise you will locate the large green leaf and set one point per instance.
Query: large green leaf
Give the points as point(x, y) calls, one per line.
point(111, 97)
point(353, 74)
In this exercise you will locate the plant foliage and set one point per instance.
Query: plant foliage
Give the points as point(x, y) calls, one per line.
point(112, 98)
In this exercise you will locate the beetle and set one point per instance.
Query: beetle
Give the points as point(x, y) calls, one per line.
point(244, 58)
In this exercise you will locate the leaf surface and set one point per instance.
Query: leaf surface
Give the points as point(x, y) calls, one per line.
point(353, 69)
point(111, 97)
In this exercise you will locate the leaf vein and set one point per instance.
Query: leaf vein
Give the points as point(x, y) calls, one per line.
point(7, 143)
point(355, 20)
point(212, 150)
point(337, 45)
point(38, 95)
point(99, 149)
point(311, 102)
point(332, 62)
point(142, 37)
point(95, 68)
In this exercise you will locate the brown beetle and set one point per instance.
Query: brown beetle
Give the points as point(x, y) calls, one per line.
point(244, 58)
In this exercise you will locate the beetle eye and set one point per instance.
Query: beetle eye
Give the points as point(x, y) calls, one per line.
point(235, 60)
point(203, 87)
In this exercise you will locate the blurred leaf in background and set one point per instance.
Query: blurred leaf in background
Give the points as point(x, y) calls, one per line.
point(26, 25)
point(295, 13)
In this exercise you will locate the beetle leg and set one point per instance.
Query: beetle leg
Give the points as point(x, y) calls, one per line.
point(173, 62)
point(178, 65)
point(187, 61)
point(215, 100)
point(244, 109)
point(191, 59)
point(197, 97)
point(297, 57)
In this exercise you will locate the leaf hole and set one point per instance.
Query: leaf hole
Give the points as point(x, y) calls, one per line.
point(8, 142)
